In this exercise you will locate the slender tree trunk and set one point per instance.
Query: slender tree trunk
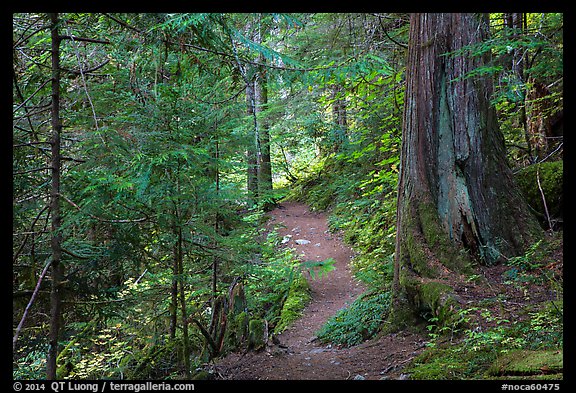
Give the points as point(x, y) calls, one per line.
point(456, 198)
point(340, 117)
point(538, 120)
point(176, 268)
point(265, 165)
point(518, 67)
point(56, 218)
point(183, 308)
point(515, 21)
point(174, 300)
point(216, 230)
point(261, 100)
point(216, 300)
point(252, 151)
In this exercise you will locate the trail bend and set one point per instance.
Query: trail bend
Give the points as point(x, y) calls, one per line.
point(299, 356)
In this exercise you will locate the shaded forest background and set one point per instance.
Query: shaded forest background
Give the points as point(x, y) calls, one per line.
point(175, 133)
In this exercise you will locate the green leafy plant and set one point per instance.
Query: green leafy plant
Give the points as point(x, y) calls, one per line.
point(30, 366)
point(357, 322)
point(527, 261)
point(317, 269)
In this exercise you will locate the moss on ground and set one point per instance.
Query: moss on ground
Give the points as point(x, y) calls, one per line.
point(449, 363)
point(528, 348)
point(528, 363)
point(297, 299)
point(454, 362)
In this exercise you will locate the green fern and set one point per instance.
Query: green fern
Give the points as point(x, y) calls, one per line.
point(358, 322)
point(319, 268)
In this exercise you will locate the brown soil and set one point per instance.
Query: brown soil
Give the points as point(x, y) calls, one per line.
point(298, 355)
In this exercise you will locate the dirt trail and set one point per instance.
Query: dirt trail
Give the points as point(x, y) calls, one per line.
point(299, 356)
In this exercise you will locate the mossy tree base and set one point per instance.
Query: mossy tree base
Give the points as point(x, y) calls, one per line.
point(428, 265)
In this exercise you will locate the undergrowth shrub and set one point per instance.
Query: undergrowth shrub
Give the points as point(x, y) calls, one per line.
point(273, 277)
point(369, 227)
point(471, 355)
point(32, 365)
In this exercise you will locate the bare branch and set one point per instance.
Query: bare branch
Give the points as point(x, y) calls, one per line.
point(84, 80)
point(36, 289)
point(32, 95)
point(84, 39)
point(543, 197)
point(122, 23)
point(81, 71)
point(31, 170)
point(386, 31)
point(17, 253)
point(30, 144)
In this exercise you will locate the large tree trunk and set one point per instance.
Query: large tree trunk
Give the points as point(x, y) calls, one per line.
point(457, 201)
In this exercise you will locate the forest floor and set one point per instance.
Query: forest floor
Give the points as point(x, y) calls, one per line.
point(298, 355)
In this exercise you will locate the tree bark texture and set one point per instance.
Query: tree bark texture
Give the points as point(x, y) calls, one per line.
point(456, 199)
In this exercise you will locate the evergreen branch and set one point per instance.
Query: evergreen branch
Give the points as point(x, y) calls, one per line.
point(74, 255)
point(233, 55)
point(114, 221)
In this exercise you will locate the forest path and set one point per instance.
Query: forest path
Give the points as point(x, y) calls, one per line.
point(299, 356)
